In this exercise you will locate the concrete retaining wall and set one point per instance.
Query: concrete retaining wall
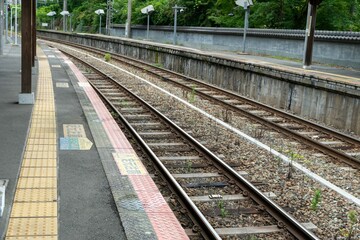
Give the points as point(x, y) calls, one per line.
point(339, 48)
point(333, 103)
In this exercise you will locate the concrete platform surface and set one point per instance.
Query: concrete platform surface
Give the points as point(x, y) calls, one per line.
point(61, 157)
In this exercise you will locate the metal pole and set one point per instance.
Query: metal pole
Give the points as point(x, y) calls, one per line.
point(148, 23)
point(109, 13)
point(309, 35)
point(11, 23)
point(7, 22)
point(175, 25)
point(64, 16)
point(70, 22)
point(1, 27)
point(100, 25)
point(246, 24)
point(16, 23)
point(128, 21)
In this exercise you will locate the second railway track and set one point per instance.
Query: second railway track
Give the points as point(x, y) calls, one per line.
point(340, 146)
point(167, 144)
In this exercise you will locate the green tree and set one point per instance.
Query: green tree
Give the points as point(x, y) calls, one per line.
point(345, 15)
point(41, 13)
point(279, 14)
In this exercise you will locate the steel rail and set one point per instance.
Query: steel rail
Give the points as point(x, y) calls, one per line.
point(283, 218)
point(207, 230)
point(352, 161)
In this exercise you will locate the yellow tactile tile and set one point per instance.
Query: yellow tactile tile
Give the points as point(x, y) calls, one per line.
point(42, 135)
point(42, 141)
point(36, 195)
point(38, 155)
point(37, 172)
point(33, 238)
point(42, 130)
point(42, 123)
point(32, 227)
point(34, 209)
point(40, 148)
point(41, 162)
point(43, 117)
point(44, 107)
point(37, 183)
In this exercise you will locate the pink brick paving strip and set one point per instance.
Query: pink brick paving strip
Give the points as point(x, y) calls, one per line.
point(163, 220)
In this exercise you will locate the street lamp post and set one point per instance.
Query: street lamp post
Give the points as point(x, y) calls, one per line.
point(70, 15)
point(147, 10)
point(65, 14)
point(176, 8)
point(100, 12)
point(16, 24)
point(7, 21)
point(109, 16)
point(246, 5)
point(11, 23)
point(51, 14)
point(1, 27)
point(128, 20)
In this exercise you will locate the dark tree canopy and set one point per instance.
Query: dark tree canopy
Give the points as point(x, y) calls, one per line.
point(340, 15)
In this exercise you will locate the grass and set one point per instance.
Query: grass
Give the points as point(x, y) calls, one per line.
point(223, 211)
point(107, 57)
point(353, 221)
point(316, 200)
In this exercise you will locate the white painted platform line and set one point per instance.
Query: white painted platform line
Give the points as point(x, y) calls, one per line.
point(3, 185)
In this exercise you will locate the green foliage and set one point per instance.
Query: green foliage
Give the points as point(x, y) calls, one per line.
point(41, 12)
point(345, 15)
point(189, 166)
point(223, 211)
point(352, 222)
point(279, 14)
point(107, 57)
point(315, 200)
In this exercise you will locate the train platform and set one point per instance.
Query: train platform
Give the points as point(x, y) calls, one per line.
point(66, 169)
point(327, 71)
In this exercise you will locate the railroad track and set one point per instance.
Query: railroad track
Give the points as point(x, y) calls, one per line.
point(339, 146)
point(199, 178)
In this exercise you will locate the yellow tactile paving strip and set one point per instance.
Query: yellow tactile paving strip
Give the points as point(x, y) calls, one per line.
point(35, 208)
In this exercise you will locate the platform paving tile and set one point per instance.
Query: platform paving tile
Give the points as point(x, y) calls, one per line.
point(41, 162)
point(35, 208)
point(35, 183)
point(21, 227)
point(137, 226)
point(166, 224)
point(121, 185)
point(36, 195)
point(154, 202)
point(114, 150)
point(101, 141)
point(41, 172)
point(33, 238)
point(143, 183)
